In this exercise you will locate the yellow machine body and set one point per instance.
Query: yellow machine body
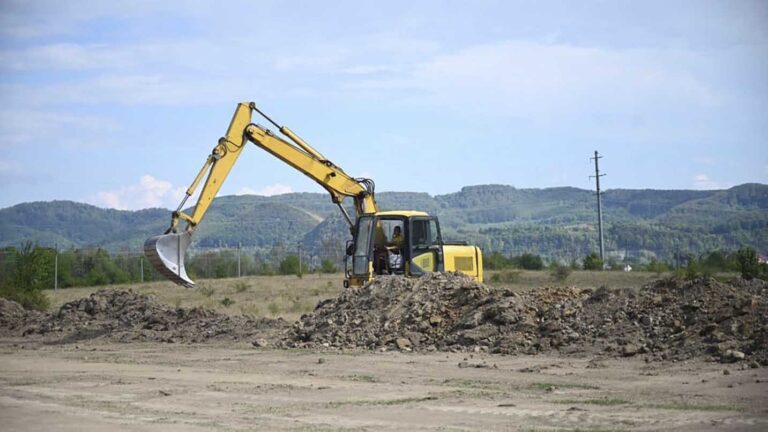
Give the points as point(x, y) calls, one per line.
point(376, 247)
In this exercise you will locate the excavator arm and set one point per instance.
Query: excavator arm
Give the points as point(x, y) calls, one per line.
point(166, 252)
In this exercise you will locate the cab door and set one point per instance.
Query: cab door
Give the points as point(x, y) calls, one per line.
point(426, 245)
point(361, 248)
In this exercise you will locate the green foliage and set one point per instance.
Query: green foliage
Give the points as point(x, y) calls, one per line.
point(290, 266)
point(495, 261)
point(30, 270)
point(657, 267)
point(560, 272)
point(327, 266)
point(555, 223)
point(749, 265)
point(227, 302)
point(528, 261)
point(593, 262)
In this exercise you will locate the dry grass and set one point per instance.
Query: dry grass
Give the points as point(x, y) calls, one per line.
point(290, 297)
point(527, 280)
point(285, 296)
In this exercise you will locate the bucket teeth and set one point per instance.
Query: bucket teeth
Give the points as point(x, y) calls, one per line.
point(166, 253)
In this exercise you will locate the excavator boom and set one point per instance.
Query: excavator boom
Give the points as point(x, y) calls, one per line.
point(166, 252)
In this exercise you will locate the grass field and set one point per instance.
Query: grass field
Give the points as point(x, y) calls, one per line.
point(271, 296)
point(290, 297)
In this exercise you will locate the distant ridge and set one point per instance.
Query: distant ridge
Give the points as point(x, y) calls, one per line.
point(555, 222)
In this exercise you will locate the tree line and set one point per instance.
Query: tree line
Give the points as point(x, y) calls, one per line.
point(27, 270)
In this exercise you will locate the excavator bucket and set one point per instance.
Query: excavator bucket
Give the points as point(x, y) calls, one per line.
point(166, 253)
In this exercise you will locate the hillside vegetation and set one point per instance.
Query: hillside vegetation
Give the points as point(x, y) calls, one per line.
point(558, 223)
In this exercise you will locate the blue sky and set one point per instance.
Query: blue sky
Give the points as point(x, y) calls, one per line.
point(118, 103)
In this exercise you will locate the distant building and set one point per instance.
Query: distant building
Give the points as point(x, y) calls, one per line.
point(762, 259)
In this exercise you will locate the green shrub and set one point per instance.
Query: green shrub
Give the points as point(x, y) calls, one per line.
point(290, 266)
point(749, 266)
point(593, 262)
point(327, 266)
point(241, 287)
point(560, 272)
point(528, 261)
point(29, 271)
point(506, 276)
point(227, 302)
point(657, 267)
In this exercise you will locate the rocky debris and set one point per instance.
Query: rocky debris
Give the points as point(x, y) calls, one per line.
point(123, 315)
point(666, 320)
point(13, 315)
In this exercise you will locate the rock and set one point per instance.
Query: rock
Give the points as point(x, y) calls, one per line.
point(629, 350)
point(260, 343)
point(733, 356)
point(403, 344)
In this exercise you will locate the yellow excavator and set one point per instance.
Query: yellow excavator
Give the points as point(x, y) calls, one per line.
point(405, 243)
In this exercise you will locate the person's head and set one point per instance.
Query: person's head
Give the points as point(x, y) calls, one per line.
point(396, 231)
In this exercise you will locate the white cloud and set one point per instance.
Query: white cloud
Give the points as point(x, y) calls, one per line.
point(275, 189)
point(704, 182)
point(533, 79)
point(149, 192)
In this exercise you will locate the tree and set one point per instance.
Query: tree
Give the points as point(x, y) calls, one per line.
point(529, 261)
point(327, 266)
point(31, 271)
point(749, 266)
point(593, 262)
point(290, 265)
point(495, 261)
point(657, 267)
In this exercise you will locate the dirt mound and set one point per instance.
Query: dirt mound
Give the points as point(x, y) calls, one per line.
point(667, 319)
point(124, 315)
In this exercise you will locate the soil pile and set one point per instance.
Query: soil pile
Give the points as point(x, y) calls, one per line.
point(124, 315)
point(667, 319)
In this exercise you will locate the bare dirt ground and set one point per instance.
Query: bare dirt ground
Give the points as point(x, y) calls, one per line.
point(98, 385)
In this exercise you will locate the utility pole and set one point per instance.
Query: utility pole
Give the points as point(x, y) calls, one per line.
point(238, 259)
point(56, 267)
point(299, 258)
point(599, 204)
point(141, 267)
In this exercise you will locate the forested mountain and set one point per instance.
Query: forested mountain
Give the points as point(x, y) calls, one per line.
point(555, 222)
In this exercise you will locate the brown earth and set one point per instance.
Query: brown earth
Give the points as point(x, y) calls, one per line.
point(97, 385)
point(665, 320)
point(456, 357)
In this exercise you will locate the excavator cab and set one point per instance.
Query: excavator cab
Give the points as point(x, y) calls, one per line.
point(372, 251)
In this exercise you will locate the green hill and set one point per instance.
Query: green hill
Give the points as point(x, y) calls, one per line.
point(554, 222)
